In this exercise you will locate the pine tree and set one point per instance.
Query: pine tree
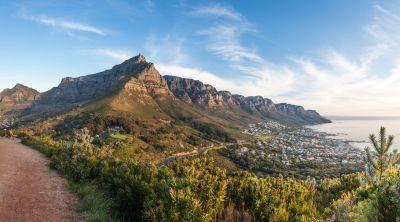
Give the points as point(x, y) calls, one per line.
point(380, 159)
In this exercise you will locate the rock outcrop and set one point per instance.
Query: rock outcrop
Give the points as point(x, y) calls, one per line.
point(138, 85)
point(206, 96)
point(137, 71)
point(300, 114)
point(197, 93)
point(18, 95)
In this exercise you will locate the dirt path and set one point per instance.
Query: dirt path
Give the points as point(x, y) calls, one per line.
point(29, 190)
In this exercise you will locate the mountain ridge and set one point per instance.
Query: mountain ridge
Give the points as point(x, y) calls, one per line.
point(135, 89)
point(195, 92)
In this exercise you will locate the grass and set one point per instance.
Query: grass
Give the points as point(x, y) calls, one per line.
point(47, 151)
point(119, 136)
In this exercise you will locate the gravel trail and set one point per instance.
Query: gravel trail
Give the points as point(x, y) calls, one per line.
point(29, 189)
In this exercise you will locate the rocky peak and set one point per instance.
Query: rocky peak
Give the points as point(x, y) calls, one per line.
point(285, 106)
point(19, 94)
point(204, 95)
point(19, 86)
point(195, 92)
point(259, 101)
point(306, 116)
point(138, 79)
point(133, 71)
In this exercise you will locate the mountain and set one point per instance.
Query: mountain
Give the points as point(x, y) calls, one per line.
point(207, 97)
point(161, 110)
point(20, 94)
point(135, 71)
point(14, 101)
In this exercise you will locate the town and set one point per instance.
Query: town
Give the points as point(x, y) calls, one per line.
point(283, 146)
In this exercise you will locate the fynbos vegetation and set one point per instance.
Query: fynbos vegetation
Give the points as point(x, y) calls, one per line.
point(195, 189)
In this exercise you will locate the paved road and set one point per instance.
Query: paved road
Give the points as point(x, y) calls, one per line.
point(29, 190)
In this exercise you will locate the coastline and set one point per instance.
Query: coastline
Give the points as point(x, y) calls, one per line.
point(357, 129)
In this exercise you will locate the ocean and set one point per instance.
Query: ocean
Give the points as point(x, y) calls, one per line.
point(357, 129)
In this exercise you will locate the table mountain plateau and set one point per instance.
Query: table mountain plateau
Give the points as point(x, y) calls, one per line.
point(135, 96)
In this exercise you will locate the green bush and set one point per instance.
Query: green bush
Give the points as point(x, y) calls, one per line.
point(194, 189)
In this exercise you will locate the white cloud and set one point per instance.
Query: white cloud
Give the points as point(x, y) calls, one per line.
point(337, 86)
point(384, 27)
point(63, 24)
point(217, 11)
point(197, 74)
point(265, 84)
point(224, 34)
point(331, 83)
point(167, 49)
point(260, 77)
point(224, 43)
point(118, 55)
point(387, 12)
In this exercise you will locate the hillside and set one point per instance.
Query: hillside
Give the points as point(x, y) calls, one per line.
point(123, 129)
point(162, 110)
point(13, 101)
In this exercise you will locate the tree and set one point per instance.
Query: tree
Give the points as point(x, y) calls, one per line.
point(378, 161)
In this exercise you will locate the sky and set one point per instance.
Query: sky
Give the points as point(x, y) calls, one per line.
point(338, 57)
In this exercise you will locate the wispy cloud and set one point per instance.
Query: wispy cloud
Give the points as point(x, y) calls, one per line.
point(332, 82)
point(167, 49)
point(266, 85)
point(384, 26)
point(224, 34)
point(117, 55)
point(218, 11)
point(224, 40)
point(224, 43)
point(364, 85)
point(63, 24)
point(198, 74)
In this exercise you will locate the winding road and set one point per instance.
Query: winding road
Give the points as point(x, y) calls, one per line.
point(29, 189)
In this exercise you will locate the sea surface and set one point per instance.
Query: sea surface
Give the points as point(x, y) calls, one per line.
point(357, 129)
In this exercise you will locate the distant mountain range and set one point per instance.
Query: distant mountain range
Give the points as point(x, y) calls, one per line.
point(136, 91)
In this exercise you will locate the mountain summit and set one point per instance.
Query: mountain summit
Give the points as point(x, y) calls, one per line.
point(134, 96)
point(19, 94)
point(90, 87)
point(138, 76)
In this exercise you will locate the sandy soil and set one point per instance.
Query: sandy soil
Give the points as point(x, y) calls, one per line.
point(29, 190)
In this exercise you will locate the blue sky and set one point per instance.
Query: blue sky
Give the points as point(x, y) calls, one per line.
point(340, 57)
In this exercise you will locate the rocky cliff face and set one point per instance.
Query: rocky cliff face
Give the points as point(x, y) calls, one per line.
point(300, 114)
point(133, 72)
point(206, 96)
point(197, 93)
point(18, 95)
point(137, 81)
